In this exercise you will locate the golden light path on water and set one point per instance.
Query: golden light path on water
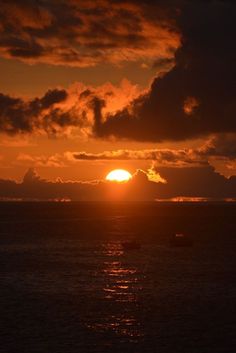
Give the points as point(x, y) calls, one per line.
point(123, 285)
point(121, 288)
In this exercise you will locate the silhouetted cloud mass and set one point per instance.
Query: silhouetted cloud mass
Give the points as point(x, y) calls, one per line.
point(197, 96)
point(20, 116)
point(190, 183)
point(60, 110)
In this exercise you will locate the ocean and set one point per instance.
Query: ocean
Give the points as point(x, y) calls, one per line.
point(68, 285)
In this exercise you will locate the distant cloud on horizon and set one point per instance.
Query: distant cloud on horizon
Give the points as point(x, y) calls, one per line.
point(218, 150)
point(218, 147)
point(182, 183)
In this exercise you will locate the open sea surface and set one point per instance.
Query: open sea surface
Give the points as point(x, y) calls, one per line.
point(67, 285)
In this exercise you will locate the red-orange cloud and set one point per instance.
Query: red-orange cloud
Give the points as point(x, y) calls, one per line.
point(87, 33)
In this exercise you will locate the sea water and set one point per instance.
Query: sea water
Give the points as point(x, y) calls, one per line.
point(68, 285)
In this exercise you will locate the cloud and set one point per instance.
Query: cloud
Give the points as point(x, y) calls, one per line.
point(79, 33)
point(62, 112)
point(216, 148)
point(17, 141)
point(20, 116)
point(196, 182)
point(217, 151)
point(197, 96)
point(220, 145)
point(181, 183)
point(31, 177)
point(168, 157)
point(34, 188)
point(221, 153)
point(54, 161)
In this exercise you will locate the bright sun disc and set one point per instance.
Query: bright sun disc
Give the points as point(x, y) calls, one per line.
point(119, 175)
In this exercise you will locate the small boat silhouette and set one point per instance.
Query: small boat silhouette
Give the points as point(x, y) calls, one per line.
point(180, 239)
point(131, 245)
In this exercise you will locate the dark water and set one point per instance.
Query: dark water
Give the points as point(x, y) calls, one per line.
point(66, 285)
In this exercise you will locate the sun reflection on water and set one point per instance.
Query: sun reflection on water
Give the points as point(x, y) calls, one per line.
point(121, 287)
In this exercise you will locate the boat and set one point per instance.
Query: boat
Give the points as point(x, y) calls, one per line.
point(181, 240)
point(131, 245)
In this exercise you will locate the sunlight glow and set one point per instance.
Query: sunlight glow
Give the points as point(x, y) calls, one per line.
point(119, 175)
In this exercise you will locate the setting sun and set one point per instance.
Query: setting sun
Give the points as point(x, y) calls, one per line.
point(119, 175)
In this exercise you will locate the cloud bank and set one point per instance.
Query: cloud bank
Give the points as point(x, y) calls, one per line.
point(217, 147)
point(60, 111)
point(182, 183)
point(87, 33)
point(218, 151)
point(197, 96)
point(19, 116)
point(168, 157)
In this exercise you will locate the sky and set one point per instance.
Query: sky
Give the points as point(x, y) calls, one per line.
point(91, 86)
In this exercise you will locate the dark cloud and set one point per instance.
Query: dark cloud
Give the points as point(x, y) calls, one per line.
point(52, 97)
point(86, 33)
point(171, 157)
point(196, 182)
point(22, 48)
point(34, 188)
point(60, 110)
point(197, 96)
point(188, 183)
point(45, 113)
point(217, 146)
point(221, 145)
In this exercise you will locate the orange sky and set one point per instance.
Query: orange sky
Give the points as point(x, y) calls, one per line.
point(103, 77)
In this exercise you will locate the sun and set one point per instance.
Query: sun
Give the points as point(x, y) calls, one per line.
point(119, 175)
